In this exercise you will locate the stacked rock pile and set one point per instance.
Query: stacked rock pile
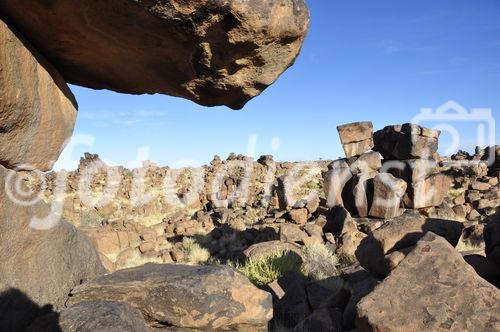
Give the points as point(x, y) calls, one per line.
point(408, 176)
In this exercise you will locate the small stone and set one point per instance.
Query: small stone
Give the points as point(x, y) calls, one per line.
point(473, 215)
point(330, 238)
point(460, 211)
point(147, 247)
point(314, 230)
point(298, 216)
point(177, 255)
point(481, 186)
point(148, 235)
point(291, 233)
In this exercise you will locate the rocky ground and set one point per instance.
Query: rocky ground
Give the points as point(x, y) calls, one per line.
point(392, 196)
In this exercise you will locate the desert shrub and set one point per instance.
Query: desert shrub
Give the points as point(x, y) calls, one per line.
point(264, 270)
point(91, 218)
point(319, 262)
point(195, 253)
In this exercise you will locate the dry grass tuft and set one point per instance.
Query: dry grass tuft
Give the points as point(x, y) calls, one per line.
point(320, 262)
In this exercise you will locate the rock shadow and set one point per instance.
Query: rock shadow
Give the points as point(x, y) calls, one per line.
point(18, 311)
point(225, 243)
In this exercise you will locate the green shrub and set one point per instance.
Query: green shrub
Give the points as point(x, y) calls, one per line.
point(264, 270)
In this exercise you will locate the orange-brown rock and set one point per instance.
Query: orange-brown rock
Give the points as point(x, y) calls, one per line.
point(212, 52)
point(432, 289)
point(37, 109)
point(198, 297)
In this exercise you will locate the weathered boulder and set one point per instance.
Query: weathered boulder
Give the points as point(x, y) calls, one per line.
point(368, 162)
point(383, 249)
point(427, 187)
point(291, 233)
point(95, 316)
point(298, 216)
point(349, 243)
point(37, 109)
point(264, 248)
point(212, 52)
point(45, 264)
point(432, 289)
point(388, 192)
point(355, 132)
point(335, 181)
point(407, 141)
point(339, 221)
point(198, 297)
point(428, 192)
point(361, 283)
point(362, 193)
point(356, 138)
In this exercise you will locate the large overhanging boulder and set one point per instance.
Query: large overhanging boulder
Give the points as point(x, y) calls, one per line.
point(214, 52)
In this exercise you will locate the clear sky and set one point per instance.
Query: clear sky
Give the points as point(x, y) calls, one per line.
point(372, 60)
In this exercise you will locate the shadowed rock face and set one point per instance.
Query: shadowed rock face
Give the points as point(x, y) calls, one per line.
point(43, 264)
point(97, 316)
point(221, 52)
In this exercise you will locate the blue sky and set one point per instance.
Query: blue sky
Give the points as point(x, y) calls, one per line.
point(363, 60)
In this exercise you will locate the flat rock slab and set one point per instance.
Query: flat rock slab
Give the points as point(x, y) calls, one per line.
point(95, 316)
point(221, 52)
point(200, 297)
point(432, 289)
point(37, 109)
